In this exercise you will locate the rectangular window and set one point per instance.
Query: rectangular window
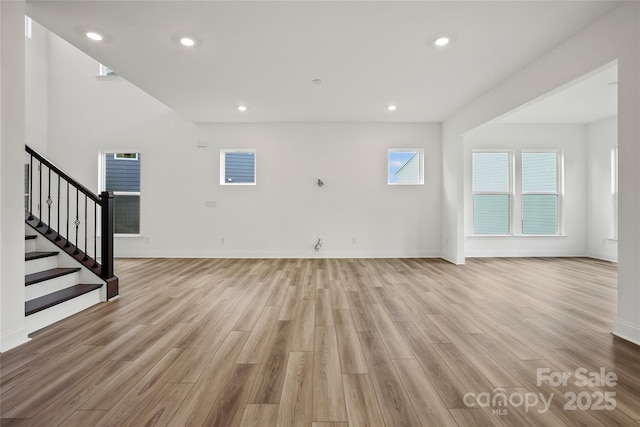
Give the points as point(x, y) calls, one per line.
point(491, 186)
point(540, 195)
point(237, 167)
point(405, 166)
point(121, 174)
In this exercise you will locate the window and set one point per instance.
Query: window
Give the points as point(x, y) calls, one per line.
point(121, 174)
point(491, 186)
point(103, 71)
point(405, 167)
point(126, 156)
point(540, 196)
point(237, 167)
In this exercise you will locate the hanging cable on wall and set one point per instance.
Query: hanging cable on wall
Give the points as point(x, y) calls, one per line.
point(318, 245)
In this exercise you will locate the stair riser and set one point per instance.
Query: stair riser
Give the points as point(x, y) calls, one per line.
point(29, 246)
point(61, 311)
point(52, 285)
point(40, 264)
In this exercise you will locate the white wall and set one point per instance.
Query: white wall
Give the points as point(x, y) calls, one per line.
point(36, 88)
point(283, 214)
point(602, 136)
point(12, 60)
point(571, 141)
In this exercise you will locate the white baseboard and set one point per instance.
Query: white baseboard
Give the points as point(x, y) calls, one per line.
point(604, 257)
point(627, 331)
point(285, 255)
point(13, 339)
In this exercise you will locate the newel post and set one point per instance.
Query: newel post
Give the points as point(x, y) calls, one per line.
point(107, 199)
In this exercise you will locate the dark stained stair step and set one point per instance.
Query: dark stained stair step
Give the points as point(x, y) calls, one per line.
point(37, 255)
point(41, 276)
point(58, 297)
point(30, 237)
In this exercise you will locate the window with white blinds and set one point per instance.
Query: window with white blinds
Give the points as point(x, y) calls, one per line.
point(540, 195)
point(491, 186)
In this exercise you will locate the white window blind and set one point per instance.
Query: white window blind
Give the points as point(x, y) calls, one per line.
point(540, 195)
point(491, 186)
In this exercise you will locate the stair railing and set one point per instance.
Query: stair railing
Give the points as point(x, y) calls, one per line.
point(71, 216)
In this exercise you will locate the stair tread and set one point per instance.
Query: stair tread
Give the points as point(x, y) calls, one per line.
point(58, 297)
point(30, 237)
point(39, 254)
point(41, 276)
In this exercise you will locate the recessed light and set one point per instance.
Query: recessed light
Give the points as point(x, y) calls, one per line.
point(392, 107)
point(441, 41)
point(242, 108)
point(316, 81)
point(94, 36)
point(186, 41)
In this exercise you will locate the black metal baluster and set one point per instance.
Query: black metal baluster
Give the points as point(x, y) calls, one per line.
point(86, 257)
point(58, 226)
point(30, 186)
point(49, 202)
point(66, 245)
point(40, 224)
point(77, 221)
point(95, 235)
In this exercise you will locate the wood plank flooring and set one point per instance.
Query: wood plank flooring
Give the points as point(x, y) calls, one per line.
point(333, 343)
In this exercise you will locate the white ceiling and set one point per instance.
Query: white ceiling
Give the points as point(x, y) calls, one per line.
point(265, 54)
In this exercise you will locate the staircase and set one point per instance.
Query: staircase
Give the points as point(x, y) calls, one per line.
point(62, 272)
point(54, 290)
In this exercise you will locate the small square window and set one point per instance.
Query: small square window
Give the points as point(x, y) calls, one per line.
point(406, 166)
point(105, 71)
point(237, 167)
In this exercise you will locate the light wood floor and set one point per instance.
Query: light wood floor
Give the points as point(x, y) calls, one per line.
point(331, 343)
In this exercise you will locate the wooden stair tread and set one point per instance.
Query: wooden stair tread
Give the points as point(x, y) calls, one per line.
point(30, 237)
point(58, 297)
point(39, 254)
point(41, 276)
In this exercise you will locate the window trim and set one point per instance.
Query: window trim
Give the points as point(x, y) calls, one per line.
point(420, 153)
point(511, 159)
point(224, 151)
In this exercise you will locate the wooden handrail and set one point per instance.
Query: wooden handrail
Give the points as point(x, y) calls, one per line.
point(84, 190)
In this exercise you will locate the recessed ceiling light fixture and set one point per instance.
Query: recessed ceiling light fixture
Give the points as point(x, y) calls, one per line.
point(392, 107)
point(94, 36)
point(442, 41)
point(316, 81)
point(187, 41)
point(242, 108)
